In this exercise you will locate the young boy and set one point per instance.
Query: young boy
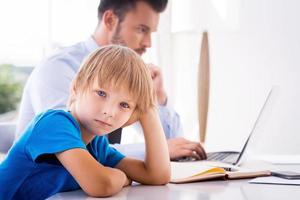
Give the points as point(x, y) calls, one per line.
point(67, 150)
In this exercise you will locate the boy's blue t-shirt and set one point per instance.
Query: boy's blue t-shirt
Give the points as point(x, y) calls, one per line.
point(31, 169)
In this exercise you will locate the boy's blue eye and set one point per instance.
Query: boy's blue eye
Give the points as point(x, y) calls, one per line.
point(124, 105)
point(101, 93)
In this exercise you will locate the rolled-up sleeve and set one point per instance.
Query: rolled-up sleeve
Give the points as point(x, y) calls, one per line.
point(170, 121)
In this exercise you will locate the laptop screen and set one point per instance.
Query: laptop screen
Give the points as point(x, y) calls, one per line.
point(264, 112)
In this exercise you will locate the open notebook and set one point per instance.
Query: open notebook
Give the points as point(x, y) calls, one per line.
point(186, 172)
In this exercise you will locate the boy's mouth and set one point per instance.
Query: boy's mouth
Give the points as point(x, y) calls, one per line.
point(102, 123)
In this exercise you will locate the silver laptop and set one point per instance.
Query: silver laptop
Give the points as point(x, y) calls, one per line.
point(234, 157)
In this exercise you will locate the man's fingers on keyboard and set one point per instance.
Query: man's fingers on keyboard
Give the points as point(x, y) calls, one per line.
point(189, 153)
point(196, 148)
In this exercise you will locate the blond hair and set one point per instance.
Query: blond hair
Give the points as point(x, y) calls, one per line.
point(118, 65)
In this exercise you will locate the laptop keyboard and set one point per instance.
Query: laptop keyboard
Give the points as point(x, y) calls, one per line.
point(228, 157)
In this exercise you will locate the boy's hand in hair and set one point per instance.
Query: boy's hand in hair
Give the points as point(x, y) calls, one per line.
point(134, 118)
point(137, 114)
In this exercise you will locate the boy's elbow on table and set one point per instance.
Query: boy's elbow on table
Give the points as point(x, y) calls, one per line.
point(100, 192)
point(103, 190)
point(161, 178)
point(105, 187)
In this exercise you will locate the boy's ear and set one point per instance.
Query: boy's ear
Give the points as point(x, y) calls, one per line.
point(72, 95)
point(72, 89)
point(110, 20)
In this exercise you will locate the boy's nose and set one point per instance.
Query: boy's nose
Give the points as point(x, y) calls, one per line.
point(106, 114)
point(109, 110)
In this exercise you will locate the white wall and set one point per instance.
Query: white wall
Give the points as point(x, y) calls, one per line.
point(253, 45)
point(33, 29)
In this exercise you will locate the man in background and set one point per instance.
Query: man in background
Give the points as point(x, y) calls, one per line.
point(125, 22)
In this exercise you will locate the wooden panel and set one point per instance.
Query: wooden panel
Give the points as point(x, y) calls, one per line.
point(203, 86)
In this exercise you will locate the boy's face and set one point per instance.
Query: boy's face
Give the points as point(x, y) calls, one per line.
point(136, 28)
point(102, 110)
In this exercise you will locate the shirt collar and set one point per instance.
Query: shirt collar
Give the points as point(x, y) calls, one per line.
point(91, 44)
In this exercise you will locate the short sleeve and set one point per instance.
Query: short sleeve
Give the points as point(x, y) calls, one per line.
point(105, 154)
point(54, 132)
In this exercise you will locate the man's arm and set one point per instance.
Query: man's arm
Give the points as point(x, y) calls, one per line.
point(46, 88)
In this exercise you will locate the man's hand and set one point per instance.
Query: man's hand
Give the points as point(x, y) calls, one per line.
point(158, 84)
point(180, 147)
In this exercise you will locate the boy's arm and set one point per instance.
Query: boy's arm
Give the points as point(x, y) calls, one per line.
point(156, 167)
point(95, 179)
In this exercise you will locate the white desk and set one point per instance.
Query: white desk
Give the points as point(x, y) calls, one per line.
point(212, 190)
point(238, 189)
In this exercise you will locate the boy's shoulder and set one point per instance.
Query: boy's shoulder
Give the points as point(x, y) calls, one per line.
point(53, 126)
point(55, 113)
point(55, 117)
